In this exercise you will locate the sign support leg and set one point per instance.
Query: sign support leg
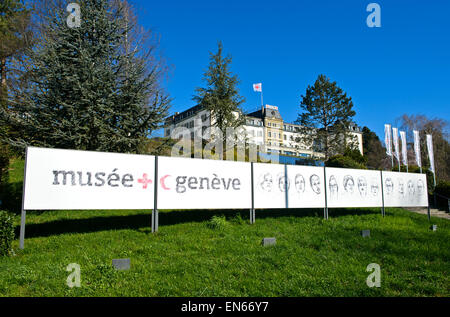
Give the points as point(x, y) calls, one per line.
point(155, 200)
point(22, 229)
point(23, 213)
point(252, 210)
point(383, 211)
point(155, 220)
point(325, 210)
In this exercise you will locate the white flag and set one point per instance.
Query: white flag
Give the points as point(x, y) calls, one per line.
point(388, 139)
point(396, 146)
point(404, 148)
point(417, 148)
point(430, 151)
point(257, 87)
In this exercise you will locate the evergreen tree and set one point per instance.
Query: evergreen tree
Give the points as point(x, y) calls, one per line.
point(327, 113)
point(221, 95)
point(86, 91)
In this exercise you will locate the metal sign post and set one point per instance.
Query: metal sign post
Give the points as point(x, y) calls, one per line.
point(252, 210)
point(286, 187)
point(325, 210)
point(383, 213)
point(155, 199)
point(24, 213)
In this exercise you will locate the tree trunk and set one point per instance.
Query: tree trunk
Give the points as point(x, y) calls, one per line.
point(2, 81)
point(3, 72)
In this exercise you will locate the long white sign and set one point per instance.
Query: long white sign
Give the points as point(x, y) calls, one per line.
point(405, 189)
point(68, 179)
point(353, 188)
point(186, 183)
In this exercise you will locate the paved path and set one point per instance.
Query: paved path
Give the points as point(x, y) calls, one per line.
point(433, 212)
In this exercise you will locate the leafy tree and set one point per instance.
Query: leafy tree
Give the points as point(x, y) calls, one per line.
point(374, 151)
point(15, 37)
point(85, 90)
point(327, 113)
point(221, 95)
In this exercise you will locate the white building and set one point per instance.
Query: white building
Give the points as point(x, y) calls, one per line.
point(264, 127)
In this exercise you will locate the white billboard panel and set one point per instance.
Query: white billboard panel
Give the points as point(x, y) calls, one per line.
point(306, 187)
point(186, 183)
point(405, 189)
point(67, 179)
point(353, 188)
point(269, 185)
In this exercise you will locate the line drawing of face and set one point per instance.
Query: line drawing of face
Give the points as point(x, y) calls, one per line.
point(299, 183)
point(266, 182)
point(411, 189)
point(374, 189)
point(349, 184)
point(334, 188)
point(362, 186)
point(283, 182)
point(389, 186)
point(314, 181)
point(420, 187)
point(401, 186)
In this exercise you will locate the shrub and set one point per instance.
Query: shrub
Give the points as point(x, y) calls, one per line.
point(218, 223)
point(343, 161)
point(6, 233)
point(4, 162)
point(443, 188)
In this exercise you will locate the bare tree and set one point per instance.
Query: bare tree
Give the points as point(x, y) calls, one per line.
point(439, 129)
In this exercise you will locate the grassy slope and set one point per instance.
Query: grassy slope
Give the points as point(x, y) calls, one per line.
point(313, 257)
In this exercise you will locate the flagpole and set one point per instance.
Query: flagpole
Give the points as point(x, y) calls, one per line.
point(262, 103)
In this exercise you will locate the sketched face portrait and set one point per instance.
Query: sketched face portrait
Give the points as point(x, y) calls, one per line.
point(299, 183)
point(283, 182)
point(389, 186)
point(349, 184)
point(266, 182)
point(314, 180)
point(420, 187)
point(362, 186)
point(401, 186)
point(374, 189)
point(334, 188)
point(410, 186)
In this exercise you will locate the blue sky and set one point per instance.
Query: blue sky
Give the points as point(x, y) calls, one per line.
point(402, 67)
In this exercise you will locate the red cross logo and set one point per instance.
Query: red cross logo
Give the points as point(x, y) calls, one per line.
point(145, 181)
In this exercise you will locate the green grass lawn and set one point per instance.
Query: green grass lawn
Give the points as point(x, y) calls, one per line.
point(189, 256)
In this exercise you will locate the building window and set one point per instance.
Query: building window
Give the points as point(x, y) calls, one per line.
point(259, 133)
point(270, 135)
point(284, 137)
